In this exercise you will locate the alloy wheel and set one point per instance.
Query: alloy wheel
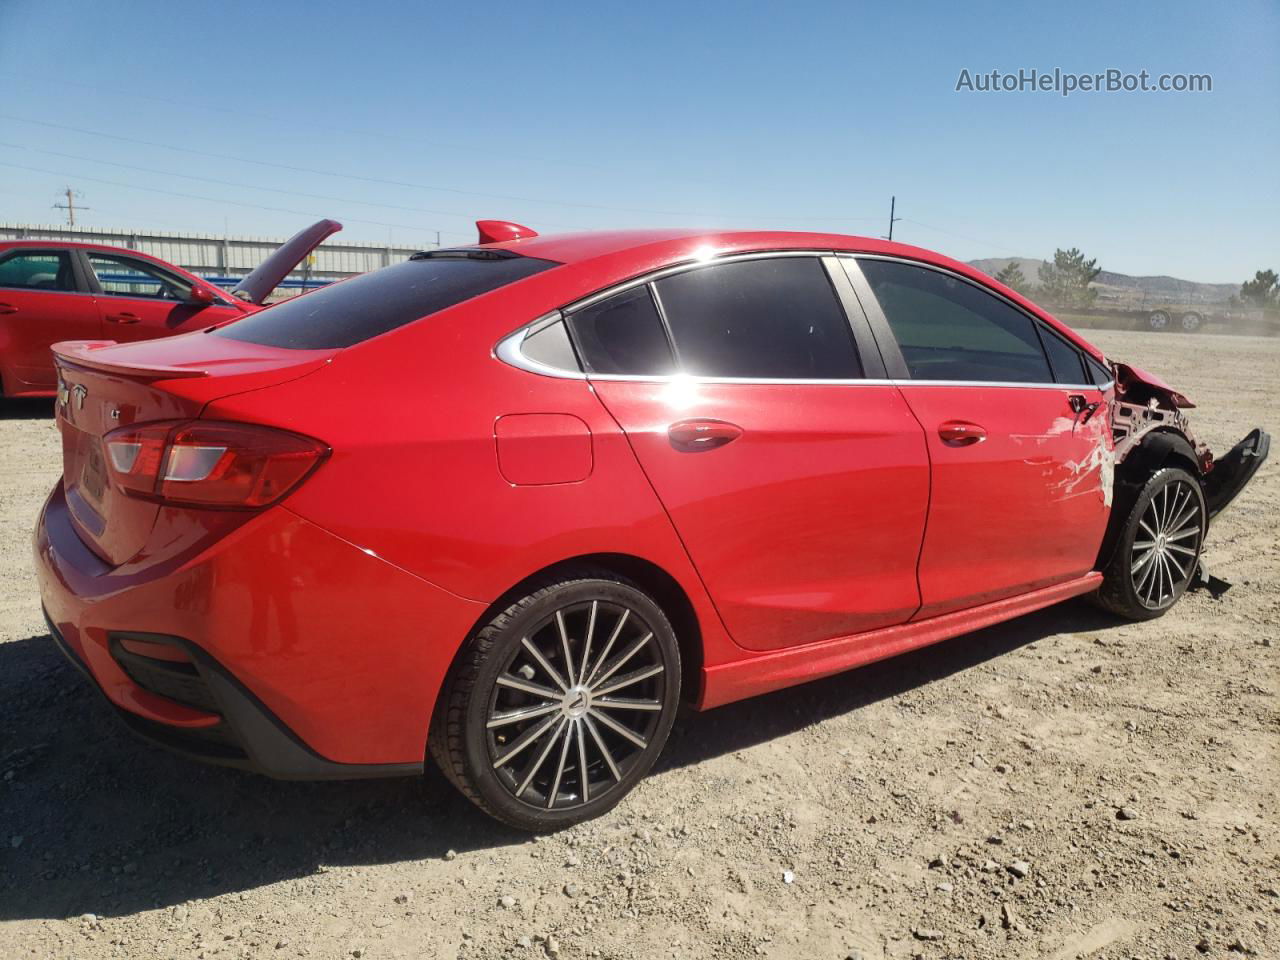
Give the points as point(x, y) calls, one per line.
point(1166, 547)
point(1159, 320)
point(576, 705)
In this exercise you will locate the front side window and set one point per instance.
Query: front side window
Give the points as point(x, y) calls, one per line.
point(127, 277)
point(949, 329)
point(759, 319)
point(37, 270)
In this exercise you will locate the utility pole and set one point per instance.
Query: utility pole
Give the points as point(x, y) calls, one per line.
point(892, 219)
point(70, 206)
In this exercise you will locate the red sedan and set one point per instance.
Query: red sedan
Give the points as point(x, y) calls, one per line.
point(509, 504)
point(51, 290)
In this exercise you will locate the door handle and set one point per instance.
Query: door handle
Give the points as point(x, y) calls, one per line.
point(8, 308)
point(695, 436)
point(1080, 404)
point(960, 433)
point(123, 318)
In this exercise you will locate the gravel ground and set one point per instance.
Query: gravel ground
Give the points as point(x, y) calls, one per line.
point(1060, 786)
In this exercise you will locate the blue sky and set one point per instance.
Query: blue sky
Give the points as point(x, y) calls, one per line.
point(403, 119)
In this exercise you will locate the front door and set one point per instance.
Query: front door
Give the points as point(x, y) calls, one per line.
point(139, 300)
point(41, 302)
point(798, 486)
point(1018, 438)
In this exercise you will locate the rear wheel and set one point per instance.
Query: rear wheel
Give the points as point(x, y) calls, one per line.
point(1158, 320)
point(1159, 547)
point(1191, 322)
point(561, 703)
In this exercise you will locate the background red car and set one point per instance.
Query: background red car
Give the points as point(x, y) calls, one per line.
point(512, 502)
point(54, 290)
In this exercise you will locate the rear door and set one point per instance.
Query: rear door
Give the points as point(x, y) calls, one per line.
point(43, 299)
point(140, 300)
point(794, 473)
point(1018, 434)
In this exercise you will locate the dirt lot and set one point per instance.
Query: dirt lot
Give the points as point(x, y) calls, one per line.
point(1059, 786)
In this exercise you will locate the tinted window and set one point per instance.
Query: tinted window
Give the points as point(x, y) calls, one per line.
point(355, 310)
point(623, 335)
point(775, 319)
point(1064, 359)
point(949, 329)
point(1098, 374)
point(127, 277)
point(37, 270)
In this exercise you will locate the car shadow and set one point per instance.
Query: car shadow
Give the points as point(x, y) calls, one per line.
point(96, 821)
point(26, 408)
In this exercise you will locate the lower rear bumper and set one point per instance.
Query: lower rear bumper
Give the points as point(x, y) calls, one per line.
point(247, 735)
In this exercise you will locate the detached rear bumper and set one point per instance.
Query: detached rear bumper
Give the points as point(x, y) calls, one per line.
point(1232, 471)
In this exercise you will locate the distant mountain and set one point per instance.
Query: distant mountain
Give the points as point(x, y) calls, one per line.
point(1119, 289)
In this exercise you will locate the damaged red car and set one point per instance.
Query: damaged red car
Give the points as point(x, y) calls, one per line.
point(53, 290)
point(509, 505)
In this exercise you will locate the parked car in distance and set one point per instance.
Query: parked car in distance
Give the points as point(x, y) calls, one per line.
point(52, 290)
point(509, 505)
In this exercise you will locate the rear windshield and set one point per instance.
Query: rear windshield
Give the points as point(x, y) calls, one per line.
point(372, 303)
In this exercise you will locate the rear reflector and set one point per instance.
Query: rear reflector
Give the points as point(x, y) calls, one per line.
point(202, 463)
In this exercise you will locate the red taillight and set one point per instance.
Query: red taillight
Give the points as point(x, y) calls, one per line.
point(209, 463)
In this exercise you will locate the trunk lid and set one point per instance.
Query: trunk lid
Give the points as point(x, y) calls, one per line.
point(104, 386)
point(257, 286)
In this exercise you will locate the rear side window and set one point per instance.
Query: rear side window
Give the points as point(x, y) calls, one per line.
point(948, 329)
point(765, 319)
point(1065, 360)
point(1098, 374)
point(623, 335)
point(37, 270)
point(363, 307)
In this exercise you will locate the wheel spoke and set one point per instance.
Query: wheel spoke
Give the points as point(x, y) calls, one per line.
point(515, 716)
point(620, 730)
point(542, 662)
point(618, 664)
point(1175, 564)
point(564, 645)
point(604, 751)
point(1178, 548)
point(1142, 561)
point(582, 760)
point(537, 764)
point(608, 647)
point(564, 755)
point(586, 644)
point(523, 741)
point(612, 703)
point(1182, 534)
point(1174, 510)
point(628, 679)
point(1191, 511)
point(1146, 581)
point(527, 686)
point(1143, 544)
point(1143, 524)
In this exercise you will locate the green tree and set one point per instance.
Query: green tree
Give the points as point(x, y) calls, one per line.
point(1013, 278)
point(1066, 281)
point(1262, 291)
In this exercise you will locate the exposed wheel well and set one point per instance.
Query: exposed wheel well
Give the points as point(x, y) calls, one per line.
point(651, 578)
point(1157, 450)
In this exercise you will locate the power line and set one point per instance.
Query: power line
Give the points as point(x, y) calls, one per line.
point(402, 183)
point(417, 228)
point(961, 236)
point(240, 186)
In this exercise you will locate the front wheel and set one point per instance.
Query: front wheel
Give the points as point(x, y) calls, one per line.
point(1159, 547)
point(560, 704)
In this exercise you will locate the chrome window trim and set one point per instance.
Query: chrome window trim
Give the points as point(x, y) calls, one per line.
point(508, 348)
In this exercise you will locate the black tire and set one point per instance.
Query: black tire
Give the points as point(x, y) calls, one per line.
point(1158, 321)
point(589, 764)
point(1191, 322)
point(1143, 582)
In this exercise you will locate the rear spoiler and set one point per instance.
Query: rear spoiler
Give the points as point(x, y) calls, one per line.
point(80, 353)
